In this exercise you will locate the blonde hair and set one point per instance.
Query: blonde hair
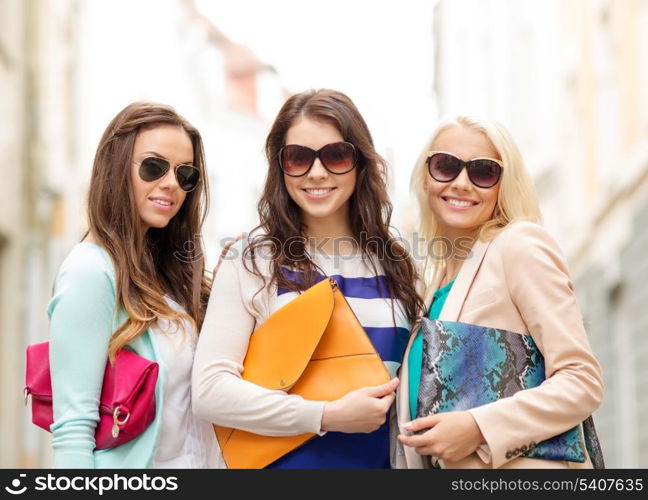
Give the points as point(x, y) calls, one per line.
point(517, 199)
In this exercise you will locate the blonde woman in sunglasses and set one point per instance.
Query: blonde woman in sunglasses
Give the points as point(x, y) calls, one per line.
point(498, 372)
point(132, 284)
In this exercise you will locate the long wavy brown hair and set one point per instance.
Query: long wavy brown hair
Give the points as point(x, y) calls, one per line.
point(154, 263)
point(369, 206)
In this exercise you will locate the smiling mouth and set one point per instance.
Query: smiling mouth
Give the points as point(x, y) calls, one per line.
point(459, 203)
point(318, 191)
point(160, 202)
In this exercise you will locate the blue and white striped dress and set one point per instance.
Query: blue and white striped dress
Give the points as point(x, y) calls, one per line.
point(368, 297)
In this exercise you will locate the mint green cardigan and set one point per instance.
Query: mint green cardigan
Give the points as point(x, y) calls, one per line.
point(82, 319)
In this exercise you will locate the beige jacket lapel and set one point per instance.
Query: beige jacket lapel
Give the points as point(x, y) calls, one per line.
point(451, 311)
point(409, 459)
point(452, 307)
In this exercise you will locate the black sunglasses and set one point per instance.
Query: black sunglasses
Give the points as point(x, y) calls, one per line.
point(337, 157)
point(153, 168)
point(446, 167)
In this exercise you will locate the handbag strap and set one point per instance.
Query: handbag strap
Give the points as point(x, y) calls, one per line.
point(592, 443)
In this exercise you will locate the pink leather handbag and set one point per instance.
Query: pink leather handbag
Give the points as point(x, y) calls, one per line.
point(126, 405)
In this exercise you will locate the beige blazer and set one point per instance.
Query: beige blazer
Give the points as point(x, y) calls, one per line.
point(519, 281)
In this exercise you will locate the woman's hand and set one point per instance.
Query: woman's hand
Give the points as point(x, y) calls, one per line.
point(362, 410)
point(451, 436)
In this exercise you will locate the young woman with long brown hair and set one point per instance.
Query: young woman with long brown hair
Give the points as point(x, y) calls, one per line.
point(324, 211)
point(136, 281)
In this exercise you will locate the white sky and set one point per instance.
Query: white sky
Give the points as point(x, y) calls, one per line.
point(379, 53)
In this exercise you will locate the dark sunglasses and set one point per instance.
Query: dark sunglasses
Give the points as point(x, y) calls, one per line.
point(337, 157)
point(153, 168)
point(446, 167)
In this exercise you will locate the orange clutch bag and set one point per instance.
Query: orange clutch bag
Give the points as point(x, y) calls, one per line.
point(314, 346)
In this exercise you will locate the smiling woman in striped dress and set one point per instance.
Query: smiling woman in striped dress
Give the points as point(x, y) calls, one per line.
point(324, 212)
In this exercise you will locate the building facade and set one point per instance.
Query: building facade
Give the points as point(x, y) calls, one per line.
point(569, 79)
point(63, 76)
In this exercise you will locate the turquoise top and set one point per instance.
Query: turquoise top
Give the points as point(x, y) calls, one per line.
point(416, 352)
point(82, 320)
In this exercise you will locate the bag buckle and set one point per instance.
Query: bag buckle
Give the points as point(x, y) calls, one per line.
point(117, 421)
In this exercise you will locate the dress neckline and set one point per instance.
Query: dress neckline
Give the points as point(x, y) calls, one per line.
point(444, 288)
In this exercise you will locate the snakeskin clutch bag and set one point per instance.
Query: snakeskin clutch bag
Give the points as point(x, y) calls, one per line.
point(465, 366)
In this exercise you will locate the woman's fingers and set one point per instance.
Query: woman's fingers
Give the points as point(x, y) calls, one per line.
point(422, 423)
point(413, 441)
point(382, 390)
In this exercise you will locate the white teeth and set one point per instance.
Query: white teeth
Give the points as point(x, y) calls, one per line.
point(459, 203)
point(319, 191)
point(162, 202)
